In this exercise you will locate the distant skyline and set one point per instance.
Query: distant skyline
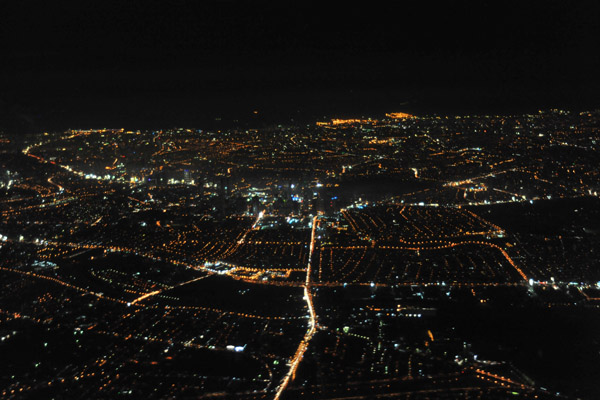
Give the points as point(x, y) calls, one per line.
point(185, 63)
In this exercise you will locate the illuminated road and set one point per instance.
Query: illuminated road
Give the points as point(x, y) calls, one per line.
point(260, 215)
point(237, 244)
point(154, 293)
point(60, 188)
point(145, 296)
point(312, 323)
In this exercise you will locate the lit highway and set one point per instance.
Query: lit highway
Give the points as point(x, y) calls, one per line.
point(312, 323)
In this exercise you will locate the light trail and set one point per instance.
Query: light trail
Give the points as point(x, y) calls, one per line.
point(482, 372)
point(237, 244)
point(97, 221)
point(260, 215)
point(145, 296)
point(154, 293)
point(312, 323)
point(55, 184)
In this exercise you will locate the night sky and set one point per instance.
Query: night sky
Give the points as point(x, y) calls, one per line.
point(184, 63)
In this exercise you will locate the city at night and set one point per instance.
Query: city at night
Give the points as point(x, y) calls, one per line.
point(262, 200)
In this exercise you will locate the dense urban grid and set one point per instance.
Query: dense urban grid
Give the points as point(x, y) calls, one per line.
point(401, 257)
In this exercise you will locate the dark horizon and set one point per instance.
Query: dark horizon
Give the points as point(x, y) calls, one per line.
point(158, 65)
point(96, 106)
